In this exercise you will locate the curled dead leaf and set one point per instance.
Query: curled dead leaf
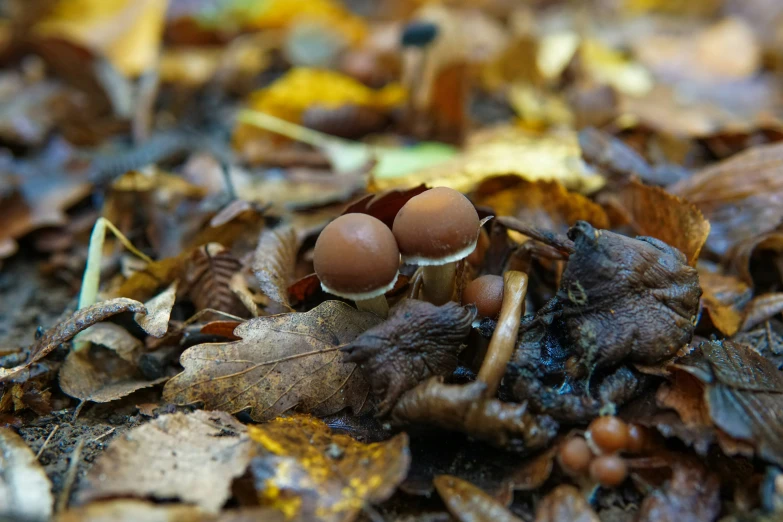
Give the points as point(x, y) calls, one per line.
point(724, 298)
point(385, 205)
point(656, 213)
point(208, 276)
point(419, 340)
point(283, 362)
point(66, 330)
point(274, 262)
point(168, 457)
point(304, 470)
point(156, 321)
point(467, 503)
point(99, 375)
point(25, 490)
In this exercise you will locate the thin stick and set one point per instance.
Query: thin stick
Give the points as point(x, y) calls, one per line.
point(504, 339)
point(46, 442)
point(70, 477)
point(104, 435)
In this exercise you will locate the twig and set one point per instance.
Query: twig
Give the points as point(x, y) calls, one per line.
point(70, 477)
point(46, 442)
point(78, 410)
point(504, 339)
point(104, 435)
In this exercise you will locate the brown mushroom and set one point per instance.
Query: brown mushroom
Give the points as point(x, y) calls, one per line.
point(356, 257)
point(434, 230)
point(486, 292)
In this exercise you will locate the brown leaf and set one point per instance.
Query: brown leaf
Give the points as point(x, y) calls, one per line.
point(692, 495)
point(100, 375)
point(685, 395)
point(385, 205)
point(169, 457)
point(467, 503)
point(724, 298)
point(25, 490)
point(740, 196)
point(766, 339)
point(739, 257)
point(115, 338)
point(305, 288)
point(565, 504)
point(156, 321)
point(124, 510)
point(464, 408)
point(659, 214)
point(744, 394)
point(308, 472)
point(66, 330)
point(283, 362)
point(761, 309)
point(544, 204)
point(611, 155)
point(143, 284)
point(419, 340)
point(274, 262)
point(208, 276)
point(222, 328)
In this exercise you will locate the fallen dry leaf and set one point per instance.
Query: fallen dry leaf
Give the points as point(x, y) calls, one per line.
point(744, 394)
point(740, 196)
point(274, 262)
point(283, 362)
point(115, 338)
point(467, 503)
point(156, 321)
point(565, 504)
point(99, 375)
point(304, 470)
point(724, 297)
point(656, 213)
point(142, 284)
point(169, 457)
point(128, 33)
point(208, 278)
point(761, 309)
point(419, 340)
point(66, 330)
point(692, 495)
point(25, 490)
point(384, 206)
point(544, 204)
point(739, 257)
point(501, 151)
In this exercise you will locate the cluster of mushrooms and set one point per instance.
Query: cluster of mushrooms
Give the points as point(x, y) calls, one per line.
point(357, 256)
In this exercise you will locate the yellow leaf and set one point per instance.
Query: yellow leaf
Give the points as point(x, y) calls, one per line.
point(505, 150)
point(302, 88)
point(308, 472)
point(279, 14)
point(606, 65)
point(126, 32)
point(539, 109)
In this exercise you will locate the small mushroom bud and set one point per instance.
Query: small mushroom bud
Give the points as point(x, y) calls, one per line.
point(436, 229)
point(608, 470)
point(609, 434)
point(486, 292)
point(356, 257)
point(575, 456)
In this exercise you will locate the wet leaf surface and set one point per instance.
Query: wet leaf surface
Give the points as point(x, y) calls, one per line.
point(166, 458)
point(303, 470)
point(283, 362)
point(419, 340)
point(565, 503)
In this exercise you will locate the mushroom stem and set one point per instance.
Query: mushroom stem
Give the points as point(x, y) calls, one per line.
point(504, 339)
point(438, 282)
point(377, 305)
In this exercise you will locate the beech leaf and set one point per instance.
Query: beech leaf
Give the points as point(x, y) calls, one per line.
point(274, 262)
point(283, 362)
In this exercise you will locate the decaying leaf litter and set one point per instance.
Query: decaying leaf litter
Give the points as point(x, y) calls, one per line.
point(230, 291)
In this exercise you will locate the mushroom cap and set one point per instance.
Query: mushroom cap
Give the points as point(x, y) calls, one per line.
point(486, 292)
point(436, 227)
point(356, 257)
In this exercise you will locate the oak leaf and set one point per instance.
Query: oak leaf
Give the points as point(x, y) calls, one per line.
point(308, 472)
point(283, 362)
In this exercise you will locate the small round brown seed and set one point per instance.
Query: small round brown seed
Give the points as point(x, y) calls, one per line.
point(608, 470)
point(609, 434)
point(575, 455)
